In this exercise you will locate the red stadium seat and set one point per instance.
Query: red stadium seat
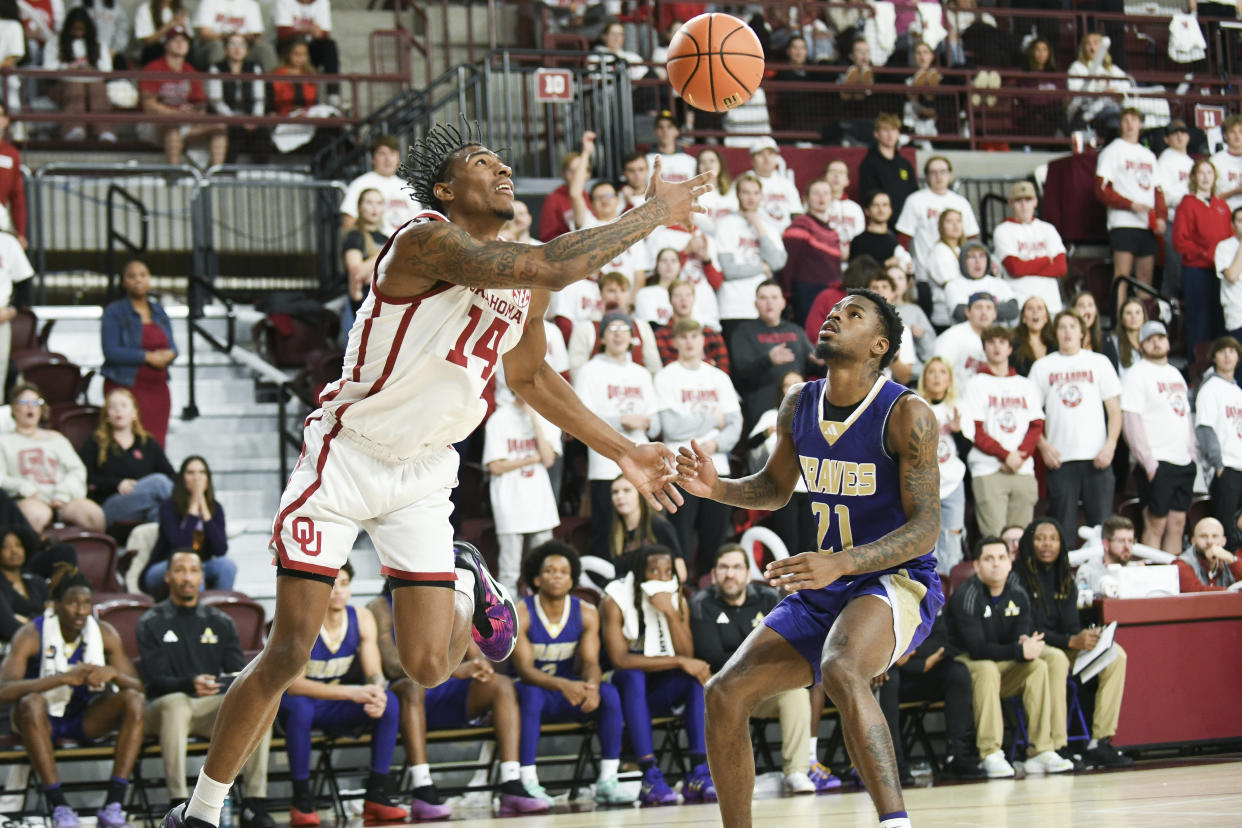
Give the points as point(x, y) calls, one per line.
point(97, 558)
point(247, 614)
point(123, 613)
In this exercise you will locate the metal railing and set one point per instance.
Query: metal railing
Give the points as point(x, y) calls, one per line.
point(414, 18)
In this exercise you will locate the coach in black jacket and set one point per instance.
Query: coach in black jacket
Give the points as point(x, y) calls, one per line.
point(990, 622)
point(186, 647)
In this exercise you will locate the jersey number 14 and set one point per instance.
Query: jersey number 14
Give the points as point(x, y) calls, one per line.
point(486, 346)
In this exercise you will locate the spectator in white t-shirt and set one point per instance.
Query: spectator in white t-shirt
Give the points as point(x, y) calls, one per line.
point(721, 200)
point(1080, 394)
point(636, 172)
point(781, 199)
point(1155, 403)
point(1030, 250)
point(1175, 165)
point(1127, 182)
point(519, 447)
point(622, 395)
point(651, 303)
point(960, 345)
point(1228, 162)
point(1229, 270)
point(749, 246)
point(842, 214)
point(215, 20)
point(946, 263)
point(152, 21)
point(918, 226)
point(1218, 429)
point(675, 165)
point(938, 387)
point(698, 402)
point(974, 261)
point(400, 206)
point(14, 268)
point(1005, 423)
point(614, 292)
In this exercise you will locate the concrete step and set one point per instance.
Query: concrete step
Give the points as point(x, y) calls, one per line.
point(250, 504)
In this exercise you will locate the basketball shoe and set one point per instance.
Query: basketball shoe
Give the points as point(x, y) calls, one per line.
point(495, 617)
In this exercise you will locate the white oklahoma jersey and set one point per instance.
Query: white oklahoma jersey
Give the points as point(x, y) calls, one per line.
point(378, 453)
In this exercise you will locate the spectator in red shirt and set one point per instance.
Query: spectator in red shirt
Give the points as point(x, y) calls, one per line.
point(1201, 222)
point(1207, 566)
point(12, 187)
point(288, 96)
point(681, 297)
point(557, 210)
point(178, 97)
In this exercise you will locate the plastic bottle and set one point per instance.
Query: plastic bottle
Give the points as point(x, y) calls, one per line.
point(226, 813)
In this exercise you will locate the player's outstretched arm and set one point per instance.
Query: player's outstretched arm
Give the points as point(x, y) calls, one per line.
point(913, 435)
point(450, 253)
point(770, 488)
point(649, 466)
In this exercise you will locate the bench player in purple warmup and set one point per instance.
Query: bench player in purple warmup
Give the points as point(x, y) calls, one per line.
point(866, 448)
point(448, 301)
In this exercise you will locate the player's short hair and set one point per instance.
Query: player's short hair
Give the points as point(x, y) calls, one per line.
point(532, 564)
point(685, 326)
point(348, 569)
point(429, 158)
point(614, 277)
point(1073, 314)
point(389, 141)
point(1133, 110)
point(1231, 122)
point(995, 332)
point(884, 119)
point(1114, 522)
point(988, 540)
point(676, 283)
point(891, 325)
point(728, 549)
point(769, 283)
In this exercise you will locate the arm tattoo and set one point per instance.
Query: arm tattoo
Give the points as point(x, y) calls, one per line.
point(445, 250)
point(920, 493)
point(759, 490)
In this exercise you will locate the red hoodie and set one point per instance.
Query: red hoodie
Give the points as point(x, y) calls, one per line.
point(1199, 226)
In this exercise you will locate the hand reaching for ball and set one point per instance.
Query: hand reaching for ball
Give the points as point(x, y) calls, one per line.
point(681, 198)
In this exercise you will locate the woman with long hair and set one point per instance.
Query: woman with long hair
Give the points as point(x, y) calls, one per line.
point(1122, 345)
point(634, 525)
point(1084, 305)
point(720, 201)
point(1033, 337)
point(946, 263)
point(939, 388)
point(1042, 567)
point(645, 628)
point(127, 470)
point(360, 249)
point(23, 594)
point(651, 303)
point(192, 519)
point(1201, 222)
point(78, 47)
point(1046, 112)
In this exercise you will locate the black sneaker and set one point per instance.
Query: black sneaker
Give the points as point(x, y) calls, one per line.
point(254, 814)
point(176, 818)
point(1067, 752)
point(1104, 755)
point(959, 767)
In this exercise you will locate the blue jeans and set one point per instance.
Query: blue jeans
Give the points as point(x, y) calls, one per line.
point(218, 573)
point(952, 523)
point(1204, 317)
point(143, 503)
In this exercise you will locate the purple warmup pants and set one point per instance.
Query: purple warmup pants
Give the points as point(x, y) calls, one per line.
point(298, 715)
point(539, 705)
point(644, 695)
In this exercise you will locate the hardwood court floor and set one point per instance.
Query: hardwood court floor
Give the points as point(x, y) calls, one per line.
point(1170, 795)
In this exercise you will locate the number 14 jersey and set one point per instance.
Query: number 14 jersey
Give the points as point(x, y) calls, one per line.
point(415, 367)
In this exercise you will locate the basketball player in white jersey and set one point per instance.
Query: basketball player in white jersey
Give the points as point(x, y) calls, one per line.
point(448, 300)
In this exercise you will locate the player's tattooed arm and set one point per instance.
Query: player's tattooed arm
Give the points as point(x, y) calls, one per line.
point(769, 488)
point(913, 436)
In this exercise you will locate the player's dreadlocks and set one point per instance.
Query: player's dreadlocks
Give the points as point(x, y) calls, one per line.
point(65, 576)
point(429, 158)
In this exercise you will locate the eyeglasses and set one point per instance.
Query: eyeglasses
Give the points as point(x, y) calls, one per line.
point(39, 403)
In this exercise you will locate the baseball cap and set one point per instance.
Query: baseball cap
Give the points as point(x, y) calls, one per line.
point(176, 31)
point(1176, 125)
point(1022, 189)
point(1152, 328)
point(979, 296)
point(766, 142)
point(615, 315)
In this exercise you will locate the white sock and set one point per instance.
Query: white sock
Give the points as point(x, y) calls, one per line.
point(814, 749)
point(465, 583)
point(897, 822)
point(208, 799)
point(510, 772)
point(422, 775)
point(529, 777)
point(608, 768)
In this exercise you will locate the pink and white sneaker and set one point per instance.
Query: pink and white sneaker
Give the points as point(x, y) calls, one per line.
point(495, 617)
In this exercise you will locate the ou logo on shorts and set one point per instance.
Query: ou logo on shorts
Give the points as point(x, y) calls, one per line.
point(304, 533)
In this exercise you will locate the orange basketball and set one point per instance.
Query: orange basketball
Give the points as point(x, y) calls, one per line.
point(715, 62)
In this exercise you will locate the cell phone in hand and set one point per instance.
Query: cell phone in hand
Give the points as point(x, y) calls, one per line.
point(225, 679)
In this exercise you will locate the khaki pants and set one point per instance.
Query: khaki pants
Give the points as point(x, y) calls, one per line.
point(1112, 681)
point(794, 710)
point(1003, 499)
point(175, 718)
point(993, 680)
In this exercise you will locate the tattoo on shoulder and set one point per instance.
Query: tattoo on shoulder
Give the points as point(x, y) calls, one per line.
point(789, 407)
point(447, 251)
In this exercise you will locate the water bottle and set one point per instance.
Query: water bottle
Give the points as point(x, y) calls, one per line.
point(226, 813)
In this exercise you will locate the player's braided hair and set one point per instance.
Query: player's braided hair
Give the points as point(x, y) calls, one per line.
point(429, 157)
point(1027, 565)
point(65, 576)
point(638, 566)
point(890, 323)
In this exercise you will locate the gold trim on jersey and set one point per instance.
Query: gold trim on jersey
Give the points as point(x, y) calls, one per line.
point(553, 629)
point(333, 639)
point(834, 430)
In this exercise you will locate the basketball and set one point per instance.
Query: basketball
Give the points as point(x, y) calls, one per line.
point(715, 62)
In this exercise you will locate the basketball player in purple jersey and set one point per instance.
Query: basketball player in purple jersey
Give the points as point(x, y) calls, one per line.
point(866, 448)
point(448, 300)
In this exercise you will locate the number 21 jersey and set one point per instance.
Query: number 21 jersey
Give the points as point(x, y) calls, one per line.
point(415, 367)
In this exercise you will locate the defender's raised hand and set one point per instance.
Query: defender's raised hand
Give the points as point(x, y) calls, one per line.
point(681, 197)
point(696, 473)
point(649, 466)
